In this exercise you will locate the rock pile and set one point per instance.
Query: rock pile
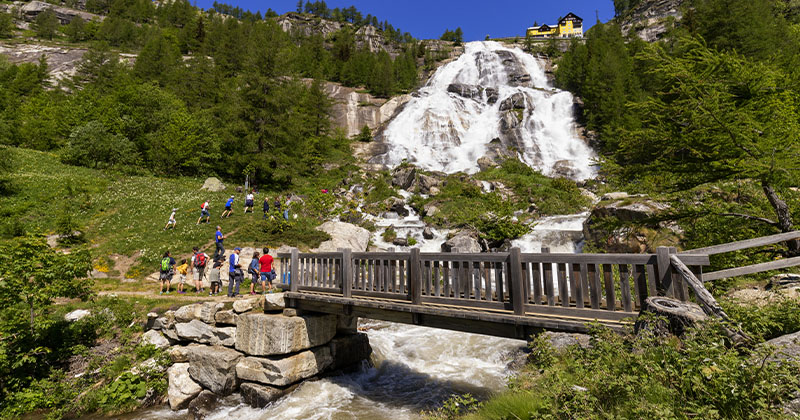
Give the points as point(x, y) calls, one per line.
point(250, 346)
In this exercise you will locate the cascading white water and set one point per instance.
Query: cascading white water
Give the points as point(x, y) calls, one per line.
point(445, 131)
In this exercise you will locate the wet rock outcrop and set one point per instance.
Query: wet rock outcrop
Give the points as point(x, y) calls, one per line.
point(629, 224)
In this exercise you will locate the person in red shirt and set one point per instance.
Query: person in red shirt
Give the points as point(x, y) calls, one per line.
point(267, 272)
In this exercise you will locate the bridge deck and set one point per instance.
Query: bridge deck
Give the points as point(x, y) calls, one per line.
point(495, 322)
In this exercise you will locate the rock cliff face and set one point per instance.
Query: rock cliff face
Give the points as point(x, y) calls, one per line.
point(368, 37)
point(650, 19)
point(352, 110)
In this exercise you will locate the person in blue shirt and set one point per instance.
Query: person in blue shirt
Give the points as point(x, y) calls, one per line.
point(228, 211)
point(218, 238)
point(235, 275)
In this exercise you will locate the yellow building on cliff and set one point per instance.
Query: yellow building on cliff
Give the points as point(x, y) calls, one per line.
point(568, 26)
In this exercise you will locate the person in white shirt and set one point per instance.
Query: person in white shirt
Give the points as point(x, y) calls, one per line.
point(249, 202)
point(171, 222)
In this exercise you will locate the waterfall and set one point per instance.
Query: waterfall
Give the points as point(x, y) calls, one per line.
point(490, 99)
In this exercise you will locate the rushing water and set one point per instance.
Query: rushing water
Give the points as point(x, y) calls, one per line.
point(444, 131)
point(415, 368)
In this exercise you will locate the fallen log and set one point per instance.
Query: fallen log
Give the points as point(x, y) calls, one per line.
point(708, 303)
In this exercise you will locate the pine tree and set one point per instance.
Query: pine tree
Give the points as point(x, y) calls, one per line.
point(46, 24)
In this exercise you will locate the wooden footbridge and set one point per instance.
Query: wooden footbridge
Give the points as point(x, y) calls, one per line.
point(508, 294)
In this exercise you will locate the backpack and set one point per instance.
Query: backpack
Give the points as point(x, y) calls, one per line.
point(199, 260)
point(165, 264)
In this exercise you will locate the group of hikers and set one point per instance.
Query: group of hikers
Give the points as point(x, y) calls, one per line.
point(249, 205)
point(260, 269)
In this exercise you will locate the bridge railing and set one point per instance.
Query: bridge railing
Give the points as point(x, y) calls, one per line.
point(602, 286)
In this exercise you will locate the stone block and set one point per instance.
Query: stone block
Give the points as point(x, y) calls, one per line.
point(155, 338)
point(226, 317)
point(203, 405)
point(349, 350)
point(200, 311)
point(196, 331)
point(248, 304)
point(274, 302)
point(346, 325)
point(270, 335)
point(178, 354)
point(260, 396)
point(182, 388)
point(214, 368)
point(284, 370)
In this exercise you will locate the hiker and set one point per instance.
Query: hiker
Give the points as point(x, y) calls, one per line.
point(286, 208)
point(234, 273)
point(171, 221)
point(167, 271)
point(204, 212)
point(199, 262)
point(277, 204)
point(252, 270)
point(249, 203)
point(218, 238)
point(182, 270)
point(216, 283)
point(228, 206)
point(266, 207)
point(267, 271)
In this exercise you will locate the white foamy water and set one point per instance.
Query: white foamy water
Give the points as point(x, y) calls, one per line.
point(442, 131)
point(562, 234)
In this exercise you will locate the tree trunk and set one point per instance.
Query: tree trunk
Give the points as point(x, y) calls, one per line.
point(668, 316)
point(784, 216)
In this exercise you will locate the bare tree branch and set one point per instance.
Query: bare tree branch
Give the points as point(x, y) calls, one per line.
point(753, 218)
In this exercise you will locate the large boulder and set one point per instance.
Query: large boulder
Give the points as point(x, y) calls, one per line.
point(213, 185)
point(181, 388)
point(214, 368)
point(259, 396)
point(397, 205)
point(465, 90)
point(248, 304)
point(344, 235)
point(201, 311)
point(274, 302)
point(464, 241)
point(76, 315)
point(629, 225)
point(404, 177)
point(348, 350)
point(179, 354)
point(515, 101)
point(203, 333)
point(285, 370)
point(203, 405)
point(196, 331)
point(787, 347)
point(155, 338)
point(271, 335)
point(226, 317)
point(165, 321)
point(426, 182)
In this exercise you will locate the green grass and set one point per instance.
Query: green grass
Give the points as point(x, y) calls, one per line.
point(125, 214)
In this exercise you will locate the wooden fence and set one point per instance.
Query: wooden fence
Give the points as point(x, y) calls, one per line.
point(600, 286)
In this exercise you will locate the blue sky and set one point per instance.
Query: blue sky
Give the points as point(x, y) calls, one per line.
point(429, 18)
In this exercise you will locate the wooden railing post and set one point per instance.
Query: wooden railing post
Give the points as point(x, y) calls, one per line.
point(414, 278)
point(517, 295)
point(664, 274)
point(294, 271)
point(347, 273)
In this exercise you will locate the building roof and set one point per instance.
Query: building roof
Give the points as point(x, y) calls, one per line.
point(570, 16)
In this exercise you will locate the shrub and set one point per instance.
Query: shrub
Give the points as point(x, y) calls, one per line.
point(646, 377)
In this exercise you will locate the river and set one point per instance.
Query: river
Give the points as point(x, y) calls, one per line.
point(413, 369)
